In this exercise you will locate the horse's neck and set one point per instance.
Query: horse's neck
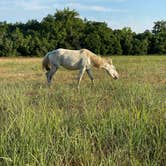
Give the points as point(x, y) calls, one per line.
point(96, 61)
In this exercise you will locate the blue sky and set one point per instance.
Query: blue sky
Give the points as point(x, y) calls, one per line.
point(137, 14)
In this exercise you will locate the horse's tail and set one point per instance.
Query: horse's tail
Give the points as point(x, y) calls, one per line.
point(46, 62)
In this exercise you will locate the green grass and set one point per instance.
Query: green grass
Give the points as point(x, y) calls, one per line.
point(117, 123)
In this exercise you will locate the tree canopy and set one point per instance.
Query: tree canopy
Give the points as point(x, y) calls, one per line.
point(65, 29)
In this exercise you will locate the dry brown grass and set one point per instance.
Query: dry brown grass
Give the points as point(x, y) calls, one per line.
point(139, 69)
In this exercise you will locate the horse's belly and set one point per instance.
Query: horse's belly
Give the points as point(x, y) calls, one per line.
point(71, 62)
point(71, 66)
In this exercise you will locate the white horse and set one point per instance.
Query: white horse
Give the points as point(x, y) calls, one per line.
point(81, 60)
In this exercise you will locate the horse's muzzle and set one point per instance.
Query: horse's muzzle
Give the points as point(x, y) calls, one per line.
point(116, 77)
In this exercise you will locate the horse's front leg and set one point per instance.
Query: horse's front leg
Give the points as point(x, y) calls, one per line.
point(81, 72)
point(50, 74)
point(89, 72)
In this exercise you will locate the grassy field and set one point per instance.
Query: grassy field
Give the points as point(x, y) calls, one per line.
point(116, 122)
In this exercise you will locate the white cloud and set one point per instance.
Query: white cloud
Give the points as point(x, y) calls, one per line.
point(23, 10)
point(94, 8)
point(23, 4)
point(110, 1)
point(31, 5)
point(119, 1)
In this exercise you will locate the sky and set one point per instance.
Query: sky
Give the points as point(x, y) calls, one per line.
point(139, 15)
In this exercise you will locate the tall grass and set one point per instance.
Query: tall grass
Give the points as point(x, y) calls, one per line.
point(119, 122)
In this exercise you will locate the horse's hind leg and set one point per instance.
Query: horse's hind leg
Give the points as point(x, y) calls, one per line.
point(50, 74)
point(89, 72)
point(47, 74)
point(81, 72)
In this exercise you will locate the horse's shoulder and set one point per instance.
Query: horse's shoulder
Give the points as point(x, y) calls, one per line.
point(84, 50)
point(59, 51)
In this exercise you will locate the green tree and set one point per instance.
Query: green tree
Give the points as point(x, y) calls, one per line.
point(140, 47)
point(70, 28)
point(93, 42)
point(126, 38)
point(159, 26)
point(101, 39)
point(66, 29)
point(160, 43)
point(18, 41)
point(159, 38)
point(6, 47)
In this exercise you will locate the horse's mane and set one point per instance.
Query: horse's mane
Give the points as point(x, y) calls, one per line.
point(95, 59)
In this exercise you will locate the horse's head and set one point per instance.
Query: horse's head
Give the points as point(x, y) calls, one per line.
point(110, 68)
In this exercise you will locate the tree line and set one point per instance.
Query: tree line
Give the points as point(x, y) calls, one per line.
point(65, 29)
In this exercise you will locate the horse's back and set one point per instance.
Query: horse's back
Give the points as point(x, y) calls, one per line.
point(70, 59)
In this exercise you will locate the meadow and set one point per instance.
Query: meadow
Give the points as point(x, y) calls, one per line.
point(115, 122)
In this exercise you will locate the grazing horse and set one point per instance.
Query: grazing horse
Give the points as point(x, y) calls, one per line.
point(81, 60)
